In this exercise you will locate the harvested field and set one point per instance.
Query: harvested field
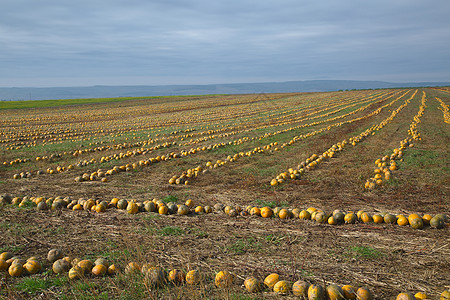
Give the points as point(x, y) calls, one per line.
point(283, 151)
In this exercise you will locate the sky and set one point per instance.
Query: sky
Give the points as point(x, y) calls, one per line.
point(50, 43)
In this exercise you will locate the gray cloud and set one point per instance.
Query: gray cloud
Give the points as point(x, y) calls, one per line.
point(54, 43)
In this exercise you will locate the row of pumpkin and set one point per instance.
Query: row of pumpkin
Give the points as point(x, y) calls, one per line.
point(155, 277)
point(337, 217)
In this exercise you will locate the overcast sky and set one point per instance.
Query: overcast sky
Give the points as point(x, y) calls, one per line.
point(153, 42)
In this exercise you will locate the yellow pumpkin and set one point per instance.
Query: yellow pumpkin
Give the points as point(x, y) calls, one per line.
point(350, 218)
point(76, 272)
point(132, 268)
point(266, 212)
point(193, 277)
point(378, 219)
point(300, 289)
point(405, 296)
point(402, 220)
point(304, 215)
point(176, 276)
point(316, 292)
point(99, 270)
point(3, 265)
point(421, 296)
point(366, 217)
point(86, 265)
point(335, 292)
point(163, 210)
point(255, 211)
point(111, 270)
point(32, 267)
point(15, 270)
point(223, 279)
point(445, 295)
point(253, 285)
point(364, 294)
point(349, 292)
point(271, 279)
point(281, 287)
point(132, 207)
point(284, 214)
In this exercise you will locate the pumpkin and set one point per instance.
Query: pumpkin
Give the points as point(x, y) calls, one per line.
point(41, 206)
point(132, 207)
point(437, 222)
point(176, 276)
point(390, 218)
point(339, 217)
point(6, 255)
point(100, 208)
point(426, 219)
point(122, 204)
point(223, 279)
point(150, 206)
point(320, 217)
point(304, 215)
point(154, 277)
point(271, 279)
point(350, 218)
point(266, 212)
point(189, 203)
point(199, 209)
point(366, 217)
point(3, 265)
point(316, 292)
point(111, 269)
point(132, 268)
point(402, 220)
point(183, 209)
point(101, 261)
point(99, 270)
point(300, 289)
point(233, 213)
point(86, 265)
point(421, 296)
point(76, 272)
point(295, 212)
point(163, 210)
point(349, 292)
point(284, 214)
point(445, 295)
point(193, 277)
point(377, 218)
point(416, 223)
point(15, 270)
point(54, 254)
point(253, 285)
point(335, 292)
point(311, 210)
point(332, 220)
point(255, 211)
point(413, 216)
point(281, 287)
point(61, 266)
point(405, 296)
point(172, 208)
point(32, 266)
point(364, 294)
point(208, 209)
point(88, 204)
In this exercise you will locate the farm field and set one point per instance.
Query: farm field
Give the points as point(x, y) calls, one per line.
point(129, 181)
